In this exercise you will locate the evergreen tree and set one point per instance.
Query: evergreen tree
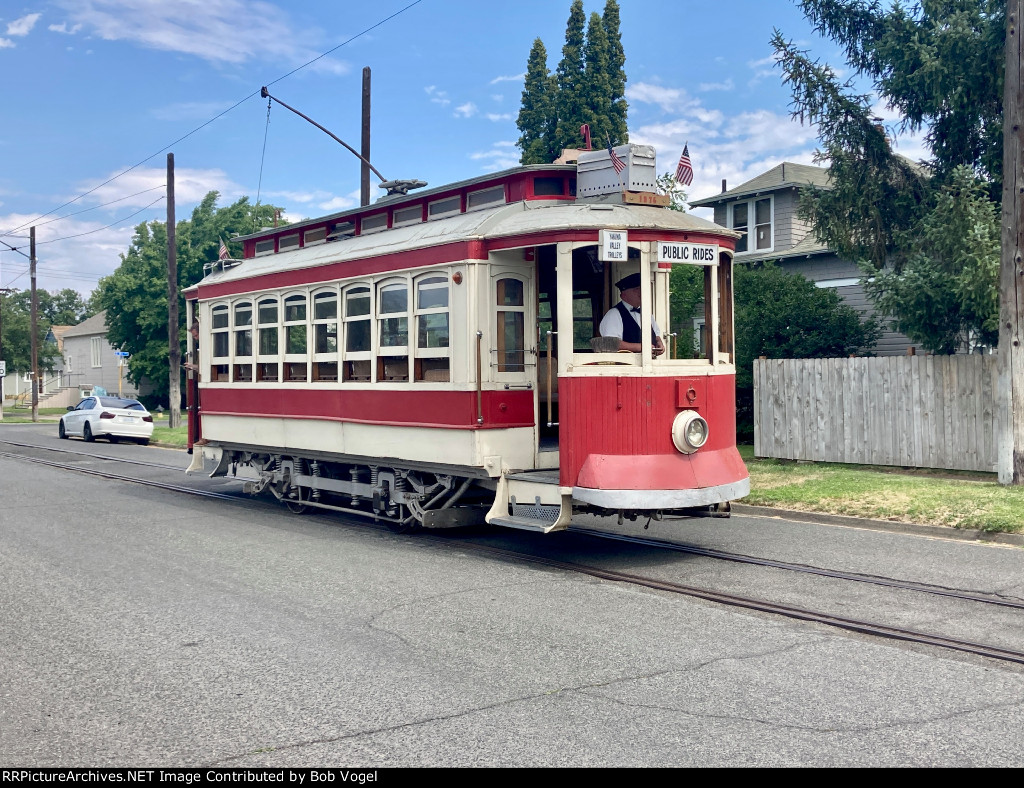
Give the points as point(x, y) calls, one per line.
point(596, 99)
point(587, 87)
point(616, 74)
point(536, 121)
point(940, 64)
point(570, 77)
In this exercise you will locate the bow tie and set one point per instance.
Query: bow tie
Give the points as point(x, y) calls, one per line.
point(635, 309)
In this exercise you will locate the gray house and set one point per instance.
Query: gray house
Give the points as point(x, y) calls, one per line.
point(765, 208)
point(90, 361)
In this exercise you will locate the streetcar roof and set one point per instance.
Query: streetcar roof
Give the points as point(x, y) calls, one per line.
point(505, 221)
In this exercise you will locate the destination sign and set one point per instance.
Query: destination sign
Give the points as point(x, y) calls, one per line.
point(614, 246)
point(689, 253)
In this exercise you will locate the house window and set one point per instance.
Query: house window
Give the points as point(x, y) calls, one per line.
point(753, 216)
point(96, 351)
point(264, 247)
point(287, 242)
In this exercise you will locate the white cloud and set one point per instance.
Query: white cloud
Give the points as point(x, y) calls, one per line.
point(190, 110)
point(512, 78)
point(438, 96)
point(190, 186)
point(466, 110)
point(499, 117)
point(501, 156)
point(705, 87)
point(63, 28)
point(5, 43)
point(22, 26)
point(225, 31)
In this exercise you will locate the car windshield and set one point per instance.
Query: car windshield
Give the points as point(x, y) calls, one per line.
point(115, 402)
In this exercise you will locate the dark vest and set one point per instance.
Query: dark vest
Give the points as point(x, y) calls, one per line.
point(630, 329)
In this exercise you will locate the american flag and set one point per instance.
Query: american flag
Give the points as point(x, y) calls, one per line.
point(684, 171)
point(617, 163)
point(223, 254)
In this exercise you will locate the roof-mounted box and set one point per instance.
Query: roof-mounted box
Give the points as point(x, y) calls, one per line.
point(596, 175)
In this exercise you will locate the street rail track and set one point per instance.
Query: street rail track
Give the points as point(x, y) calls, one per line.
point(759, 605)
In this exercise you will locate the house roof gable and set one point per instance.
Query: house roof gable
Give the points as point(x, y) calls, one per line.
point(97, 324)
point(783, 176)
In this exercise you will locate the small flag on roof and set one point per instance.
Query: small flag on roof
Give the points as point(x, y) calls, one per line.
point(223, 254)
point(617, 163)
point(684, 171)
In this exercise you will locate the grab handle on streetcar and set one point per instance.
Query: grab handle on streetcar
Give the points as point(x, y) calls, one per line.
point(479, 381)
point(550, 381)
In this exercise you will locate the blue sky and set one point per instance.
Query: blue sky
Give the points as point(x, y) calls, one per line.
point(93, 87)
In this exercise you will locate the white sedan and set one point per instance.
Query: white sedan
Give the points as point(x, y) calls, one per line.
point(107, 417)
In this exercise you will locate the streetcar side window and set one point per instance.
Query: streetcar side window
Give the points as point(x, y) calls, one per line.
point(243, 342)
point(220, 335)
point(268, 363)
point(357, 323)
point(393, 331)
point(325, 336)
point(511, 327)
point(432, 329)
point(295, 338)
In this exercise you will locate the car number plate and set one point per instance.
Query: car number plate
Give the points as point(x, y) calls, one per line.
point(125, 419)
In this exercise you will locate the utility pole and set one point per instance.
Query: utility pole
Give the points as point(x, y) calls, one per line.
point(174, 409)
point(364, 181)
point(3, 291)
point(1011, 272)
point(34, 326)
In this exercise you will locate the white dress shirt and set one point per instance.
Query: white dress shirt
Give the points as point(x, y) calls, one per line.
point(611, 323)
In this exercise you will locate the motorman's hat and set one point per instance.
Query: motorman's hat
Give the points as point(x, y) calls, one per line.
point(628, 282)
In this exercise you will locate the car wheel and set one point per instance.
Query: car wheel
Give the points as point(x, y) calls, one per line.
point(61, 432)
point(87, 435)
point(143, 441)
point(112, 438)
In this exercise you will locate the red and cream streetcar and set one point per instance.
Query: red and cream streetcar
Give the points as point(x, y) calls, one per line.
point(432, 359)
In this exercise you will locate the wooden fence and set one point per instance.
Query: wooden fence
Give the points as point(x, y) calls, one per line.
point(911, 411)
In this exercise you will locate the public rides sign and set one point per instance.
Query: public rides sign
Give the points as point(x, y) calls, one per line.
point(687, 253)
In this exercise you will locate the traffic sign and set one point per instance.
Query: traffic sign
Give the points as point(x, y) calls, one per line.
point(122, 353)
point(3, 369)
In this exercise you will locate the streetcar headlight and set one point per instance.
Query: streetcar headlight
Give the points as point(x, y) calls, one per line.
point(689, 431)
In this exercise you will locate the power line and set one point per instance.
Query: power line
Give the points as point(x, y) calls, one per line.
point(95, 207)
point(107, 227)
point(211, 120)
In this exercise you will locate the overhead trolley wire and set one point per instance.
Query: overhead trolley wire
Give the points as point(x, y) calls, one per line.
point(207, 123)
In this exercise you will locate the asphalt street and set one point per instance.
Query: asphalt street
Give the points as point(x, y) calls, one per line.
point(147, 628)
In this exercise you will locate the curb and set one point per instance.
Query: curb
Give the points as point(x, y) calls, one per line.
point(916, 529)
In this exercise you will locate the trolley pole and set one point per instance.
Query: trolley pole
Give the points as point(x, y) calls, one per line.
point(1010, 408)
point(174, 346)
point(34, 324)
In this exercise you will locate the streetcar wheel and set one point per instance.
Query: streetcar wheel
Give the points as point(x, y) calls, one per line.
point(297, 505)
point(61, 432)
point(87, 435)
